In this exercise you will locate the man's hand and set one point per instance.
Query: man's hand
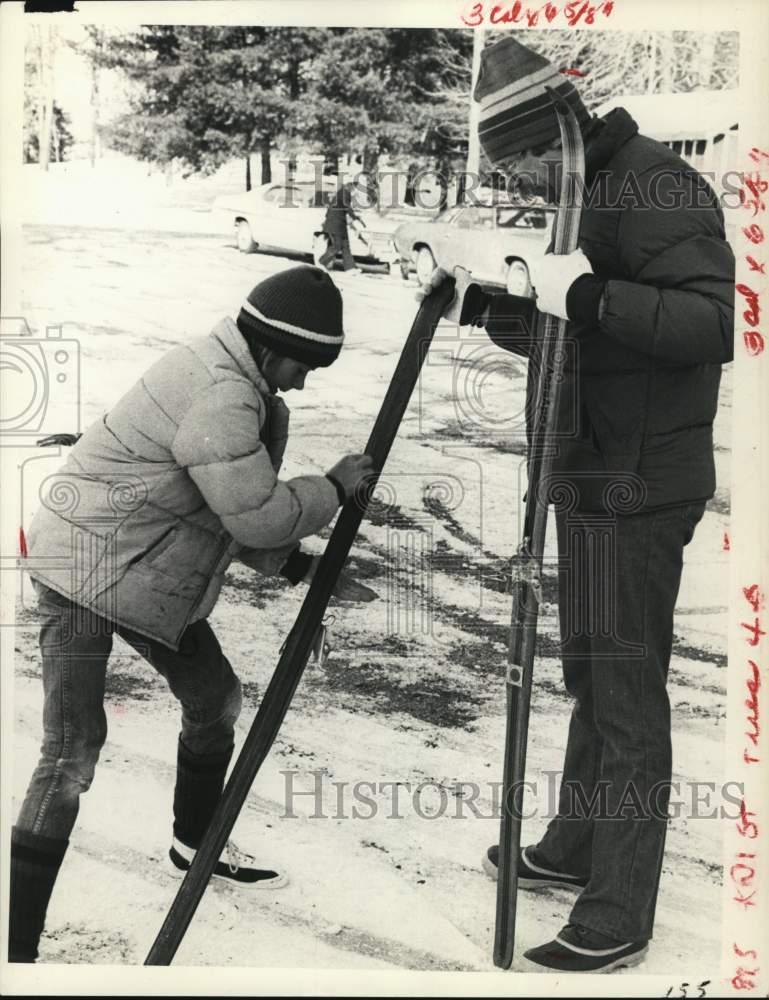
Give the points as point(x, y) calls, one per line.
point(346, 589)
point(350, 470)
point(462, 278)
point(552, 275)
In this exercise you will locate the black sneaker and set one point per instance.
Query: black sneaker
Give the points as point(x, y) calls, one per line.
point(531, 876)
point(578, 949)
point(236, 867)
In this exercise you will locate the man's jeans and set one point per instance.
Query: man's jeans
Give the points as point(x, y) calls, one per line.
point(619, 580)
point(339, 242)
point(75, 645)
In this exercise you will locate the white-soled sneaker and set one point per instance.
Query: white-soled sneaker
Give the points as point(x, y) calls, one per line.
point(235, 866)
point(578, 949)
point(531, 876)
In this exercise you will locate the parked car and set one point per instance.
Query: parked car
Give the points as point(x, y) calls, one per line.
point(495, 242)
point(289, 216)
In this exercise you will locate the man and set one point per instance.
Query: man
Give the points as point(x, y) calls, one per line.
point(134, 537)
point(649, 297)
point(340, 208)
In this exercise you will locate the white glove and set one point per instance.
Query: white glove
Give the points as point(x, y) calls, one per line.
point(462, 279)
point(552, 275)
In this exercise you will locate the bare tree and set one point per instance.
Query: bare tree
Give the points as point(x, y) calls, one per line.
point(44, 39)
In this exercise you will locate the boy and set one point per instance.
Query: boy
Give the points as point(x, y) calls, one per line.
point(134, 536)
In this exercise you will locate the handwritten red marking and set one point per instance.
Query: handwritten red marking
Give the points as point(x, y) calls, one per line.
point(746, 827)
point(748, 953)
point(756, 186)
point(754, 342)
point(755, 630)
point(754, 597)
point(754, 233)
point(726, 546)
point(753, 312)
point(740, 980)
point(474, 16)
point(742, 879)
point(475, 13)
point(755, 154)
point(572, 72)
point(751, 702)
point(754, 265)
point(22, 544)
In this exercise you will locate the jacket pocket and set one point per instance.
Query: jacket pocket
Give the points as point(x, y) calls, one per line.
point(161, 545)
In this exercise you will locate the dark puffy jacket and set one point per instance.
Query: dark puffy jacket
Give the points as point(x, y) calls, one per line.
point(641, 390)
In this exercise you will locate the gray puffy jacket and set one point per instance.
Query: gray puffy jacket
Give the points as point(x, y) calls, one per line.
point(180, 477)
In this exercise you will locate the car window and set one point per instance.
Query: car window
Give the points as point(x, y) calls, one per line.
point(474, 217)
point(279, 193)
point(521, 218)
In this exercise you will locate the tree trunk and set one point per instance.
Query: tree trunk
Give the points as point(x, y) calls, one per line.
point(666, 61)
point(443, 171)
point(266, 166)
point(248, 171)
point(95, 150)
point(46, 119)
point(705, 59)
point(652, 52)
point(473, 142)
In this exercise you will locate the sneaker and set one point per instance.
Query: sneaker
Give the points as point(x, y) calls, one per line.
point(578, 949)
point(531, 876)
point(235, 867)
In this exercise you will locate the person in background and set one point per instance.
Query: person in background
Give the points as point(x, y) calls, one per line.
point(342, 208)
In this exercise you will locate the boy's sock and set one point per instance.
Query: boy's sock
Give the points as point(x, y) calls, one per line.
point(35, 863)
point(199, 784)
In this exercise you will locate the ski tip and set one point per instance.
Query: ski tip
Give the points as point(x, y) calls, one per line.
point(561, 104)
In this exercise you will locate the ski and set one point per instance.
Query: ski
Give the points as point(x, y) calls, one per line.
point(301, 638)
point(527, 591)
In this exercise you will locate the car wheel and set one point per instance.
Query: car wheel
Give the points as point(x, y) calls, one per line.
point(517, 281)
point(425, 265)
point(244, 237)
point(320, 244)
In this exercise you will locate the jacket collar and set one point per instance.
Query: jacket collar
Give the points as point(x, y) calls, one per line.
point(607, 136)
point(234, 343)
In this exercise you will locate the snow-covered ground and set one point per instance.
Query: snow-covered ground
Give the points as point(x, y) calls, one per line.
point(413, 695)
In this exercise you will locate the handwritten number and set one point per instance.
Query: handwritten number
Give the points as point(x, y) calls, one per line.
point(682, 994)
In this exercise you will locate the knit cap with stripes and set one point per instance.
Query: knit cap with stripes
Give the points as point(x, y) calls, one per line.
point(297, 313)
point(516, 113)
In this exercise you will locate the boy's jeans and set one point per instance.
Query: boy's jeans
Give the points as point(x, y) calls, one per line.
point(75, 645)
point(619, 580)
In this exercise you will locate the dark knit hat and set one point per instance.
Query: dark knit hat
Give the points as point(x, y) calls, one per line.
point(297, 313)
point(516, 113)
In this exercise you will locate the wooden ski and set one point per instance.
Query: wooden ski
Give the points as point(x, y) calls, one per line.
point(527, 584)
point(277, 697)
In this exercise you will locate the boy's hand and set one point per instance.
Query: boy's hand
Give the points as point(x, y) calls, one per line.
point(350, 471)
point(462, 278)
point(347, 588)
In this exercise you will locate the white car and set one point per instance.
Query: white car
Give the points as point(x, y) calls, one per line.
point(290, 216)
point(494, 242)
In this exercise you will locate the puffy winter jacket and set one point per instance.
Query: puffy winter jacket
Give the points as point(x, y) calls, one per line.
point(157, 498)
point(641, 390)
